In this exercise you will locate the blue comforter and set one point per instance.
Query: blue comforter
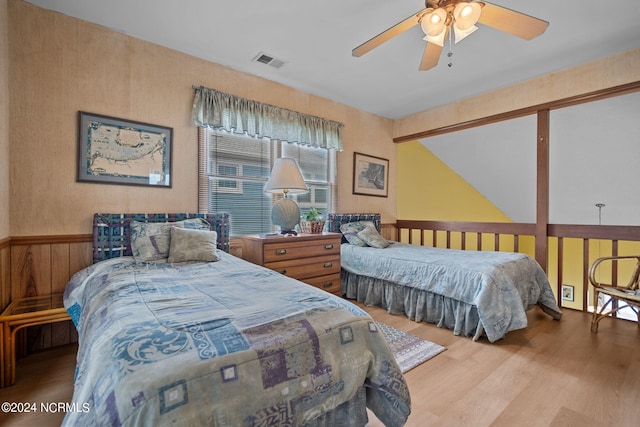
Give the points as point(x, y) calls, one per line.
point(471, 292)
point(226, 343)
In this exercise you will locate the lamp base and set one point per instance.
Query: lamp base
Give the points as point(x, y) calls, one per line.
point(288, 232)
point(286, 215)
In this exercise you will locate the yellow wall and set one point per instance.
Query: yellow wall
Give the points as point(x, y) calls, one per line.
point(429, 189)
point(60, 65)
point(4, 121)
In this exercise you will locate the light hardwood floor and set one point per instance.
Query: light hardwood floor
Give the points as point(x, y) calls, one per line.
point(550, 374)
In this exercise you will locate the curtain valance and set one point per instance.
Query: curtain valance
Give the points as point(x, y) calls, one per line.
point(212, 108)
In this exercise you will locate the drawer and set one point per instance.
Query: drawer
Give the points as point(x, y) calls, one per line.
point(326, 283)
point(303, 268)
point(285, 250)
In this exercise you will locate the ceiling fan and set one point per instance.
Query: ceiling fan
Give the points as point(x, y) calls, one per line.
point(440, 16)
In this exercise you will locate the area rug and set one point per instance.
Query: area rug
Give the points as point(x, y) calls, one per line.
point(409, 350)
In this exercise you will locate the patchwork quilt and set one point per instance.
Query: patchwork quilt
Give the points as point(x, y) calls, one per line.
point(224, 343)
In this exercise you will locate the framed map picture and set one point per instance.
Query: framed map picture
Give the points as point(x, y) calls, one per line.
point(370, 175)
point(118, 151)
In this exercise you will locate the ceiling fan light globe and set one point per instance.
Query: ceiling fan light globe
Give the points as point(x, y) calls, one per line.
point(438, 39)
point(466, 14)
point(433, 23)
point(461, 34)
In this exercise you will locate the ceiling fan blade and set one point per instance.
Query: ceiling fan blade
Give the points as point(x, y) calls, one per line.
point(430, 57)
point(388, 34)
point(512, 22)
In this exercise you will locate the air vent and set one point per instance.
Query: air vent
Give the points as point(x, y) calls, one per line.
point(269, 60)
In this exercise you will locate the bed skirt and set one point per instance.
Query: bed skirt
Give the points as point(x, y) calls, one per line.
point(418, 305)
point(350, 413)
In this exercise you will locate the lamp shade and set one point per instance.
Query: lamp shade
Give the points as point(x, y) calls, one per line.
point(466, 15)
point(286, 178)
point(461, 34)
point(433, 23)
point(437, 39)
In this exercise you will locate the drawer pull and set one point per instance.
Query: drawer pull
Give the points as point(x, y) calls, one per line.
point(328, 246)
point(283, 271)
point(327, 285)
point(328, 264)
point(281, 251)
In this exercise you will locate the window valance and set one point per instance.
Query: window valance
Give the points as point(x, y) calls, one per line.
point(218, 110)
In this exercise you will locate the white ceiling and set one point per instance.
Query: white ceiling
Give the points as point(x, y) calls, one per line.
point(315, 40)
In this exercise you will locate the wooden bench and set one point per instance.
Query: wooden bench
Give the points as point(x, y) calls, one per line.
point(19, 314)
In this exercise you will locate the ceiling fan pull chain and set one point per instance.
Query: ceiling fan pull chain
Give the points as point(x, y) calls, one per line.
point(450, 53)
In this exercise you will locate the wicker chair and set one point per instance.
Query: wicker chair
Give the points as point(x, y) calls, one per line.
point(618, 296)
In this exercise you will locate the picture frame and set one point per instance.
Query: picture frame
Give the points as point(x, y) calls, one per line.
point(567, 293)
point(370, 175)
point(119, 151)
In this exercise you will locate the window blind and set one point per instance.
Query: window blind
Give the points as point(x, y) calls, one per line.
point(233, 169)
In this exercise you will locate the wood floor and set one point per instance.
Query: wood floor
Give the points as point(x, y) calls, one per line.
point(550, 374)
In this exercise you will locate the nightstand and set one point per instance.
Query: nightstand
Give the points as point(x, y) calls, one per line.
point(21, 313)
point(311, 258)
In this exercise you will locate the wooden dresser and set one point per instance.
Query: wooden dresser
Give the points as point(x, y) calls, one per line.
point(311, 258)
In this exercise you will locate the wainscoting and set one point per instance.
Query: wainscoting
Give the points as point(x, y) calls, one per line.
point(40, 265)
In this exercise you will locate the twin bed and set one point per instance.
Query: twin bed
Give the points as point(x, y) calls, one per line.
point(473, 293)
point(199, 341)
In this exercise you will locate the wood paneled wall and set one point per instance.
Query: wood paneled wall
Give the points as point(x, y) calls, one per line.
point(5, 272)
point(42, 265)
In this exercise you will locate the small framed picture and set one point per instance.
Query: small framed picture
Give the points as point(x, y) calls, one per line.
point(567, 293)
point(119, 151)
point(370, 175)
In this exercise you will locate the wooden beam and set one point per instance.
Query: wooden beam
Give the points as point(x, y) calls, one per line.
point(521, 112)
point(542, 189)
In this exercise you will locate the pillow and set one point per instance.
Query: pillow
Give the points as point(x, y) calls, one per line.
point(350, 231)
point(192, 245)
point(194, 224)
point(150, 240)
point(372, 238)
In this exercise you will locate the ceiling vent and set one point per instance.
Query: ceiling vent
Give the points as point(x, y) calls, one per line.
point(269, 60)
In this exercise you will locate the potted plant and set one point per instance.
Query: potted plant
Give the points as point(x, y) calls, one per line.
point(312, 222)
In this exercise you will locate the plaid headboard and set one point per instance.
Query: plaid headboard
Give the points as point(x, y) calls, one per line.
point(335, 220)
point(112, 238)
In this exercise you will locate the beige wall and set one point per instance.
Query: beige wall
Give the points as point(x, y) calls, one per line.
point(604, 73)
point(4, 121)
point(61, 65)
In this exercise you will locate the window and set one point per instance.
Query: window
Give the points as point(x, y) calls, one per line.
point(235, 167)
point(228, 185)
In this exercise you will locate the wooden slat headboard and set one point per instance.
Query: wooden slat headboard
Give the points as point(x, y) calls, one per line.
point(112, 238)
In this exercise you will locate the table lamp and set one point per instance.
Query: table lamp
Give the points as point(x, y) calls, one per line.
point(286, 178)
